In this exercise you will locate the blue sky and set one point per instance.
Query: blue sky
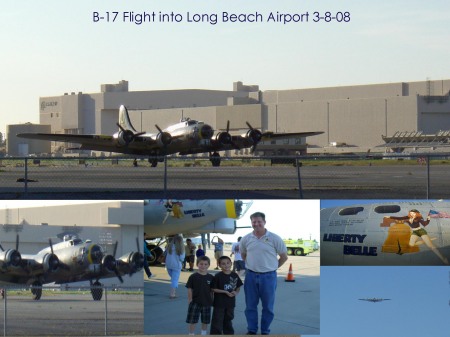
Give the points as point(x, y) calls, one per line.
point(419, 306)
point(52, 47)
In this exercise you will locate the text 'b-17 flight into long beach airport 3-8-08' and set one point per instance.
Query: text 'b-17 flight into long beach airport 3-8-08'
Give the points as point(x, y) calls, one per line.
point(187, 137)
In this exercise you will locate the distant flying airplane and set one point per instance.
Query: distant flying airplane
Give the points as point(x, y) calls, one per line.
point(187, 137)
point(167, 217)
point(387, 233)
point(374, 300)
point(72, 260)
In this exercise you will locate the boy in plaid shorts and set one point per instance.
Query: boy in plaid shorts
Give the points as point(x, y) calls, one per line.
point(200, 296)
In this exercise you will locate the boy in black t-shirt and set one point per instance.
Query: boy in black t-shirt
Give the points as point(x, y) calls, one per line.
point(200, 296)
point(226, 286)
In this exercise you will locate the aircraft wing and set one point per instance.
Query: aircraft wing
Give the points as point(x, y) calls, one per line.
point(141, 145)
point(27, 268)
point(271, 135)
point(253, 137)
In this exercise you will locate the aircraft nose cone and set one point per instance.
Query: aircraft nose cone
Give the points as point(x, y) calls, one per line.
point(206, 132)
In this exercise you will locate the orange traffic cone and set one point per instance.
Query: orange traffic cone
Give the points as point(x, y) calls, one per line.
point(290, 275)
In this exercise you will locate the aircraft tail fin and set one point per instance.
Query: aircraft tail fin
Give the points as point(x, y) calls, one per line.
point(124, 119)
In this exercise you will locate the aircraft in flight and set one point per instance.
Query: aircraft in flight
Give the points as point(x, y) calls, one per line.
point(407, 233)
point(374, 300)
point(186, 137)
point(167, 217)
point(71, 260)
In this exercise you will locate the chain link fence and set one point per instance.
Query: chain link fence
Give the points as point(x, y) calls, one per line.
point(71, 311)
point(312, 177)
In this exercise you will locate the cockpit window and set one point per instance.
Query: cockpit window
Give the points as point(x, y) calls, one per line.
point(387, 209)
point(351, 210)
point(191, 122)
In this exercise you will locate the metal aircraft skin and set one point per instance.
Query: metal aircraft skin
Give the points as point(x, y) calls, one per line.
point(191, 218)
point(71, 260)
point(187, 137)
point(387, 233)
point(374, 300)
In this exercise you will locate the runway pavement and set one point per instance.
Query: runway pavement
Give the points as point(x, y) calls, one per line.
point(297, 304)
point(262, 182)
point(72, 315)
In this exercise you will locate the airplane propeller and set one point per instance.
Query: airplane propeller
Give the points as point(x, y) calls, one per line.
point(164, 137)
point(225, 137)
point(12, 255)
point(128, 136)
point(110, 263)
point(255, 135)
point(52, 260)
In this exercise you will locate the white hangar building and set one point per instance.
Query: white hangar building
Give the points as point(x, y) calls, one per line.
point(354, 117)
point(102, 222)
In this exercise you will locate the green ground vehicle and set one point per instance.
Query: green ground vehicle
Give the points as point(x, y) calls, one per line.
point(299, 247)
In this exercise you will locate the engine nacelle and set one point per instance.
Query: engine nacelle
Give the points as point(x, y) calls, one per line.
point(135, 261)
point(125, 137)
point(10, 257)
point(206, 131)
point(109, 263)
point(255, 135)
point(50, 262)
point(224, 138)
point(164, 138)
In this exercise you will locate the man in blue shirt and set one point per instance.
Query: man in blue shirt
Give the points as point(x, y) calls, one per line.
point(260, 250)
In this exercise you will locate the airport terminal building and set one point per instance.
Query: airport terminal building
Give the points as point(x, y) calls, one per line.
point(353, 118)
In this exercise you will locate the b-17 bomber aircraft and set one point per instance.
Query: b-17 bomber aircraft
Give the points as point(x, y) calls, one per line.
point(71, 260)
point(187, 137)
point(374, 300)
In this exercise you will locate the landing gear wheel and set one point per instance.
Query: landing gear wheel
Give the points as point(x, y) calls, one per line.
point(215, 159)
point(97, 291)
point(156, 253)
point(36, 290)
point(153, 161)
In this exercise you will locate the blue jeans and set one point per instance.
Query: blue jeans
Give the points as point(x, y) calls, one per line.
point(256, 287)
point(174, 277)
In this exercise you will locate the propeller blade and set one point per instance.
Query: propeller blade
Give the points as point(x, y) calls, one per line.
point(115, 249)
point(118, 275)
point(159, 129)
point(249, 126)
point(1, 247)
point(228, 126)
point(51, 245)
point(120, 127)
point(17, 242)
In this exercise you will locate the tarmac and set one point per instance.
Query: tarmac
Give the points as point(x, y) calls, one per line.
point(63, 314)
point(276, 182)
point(297, 304)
